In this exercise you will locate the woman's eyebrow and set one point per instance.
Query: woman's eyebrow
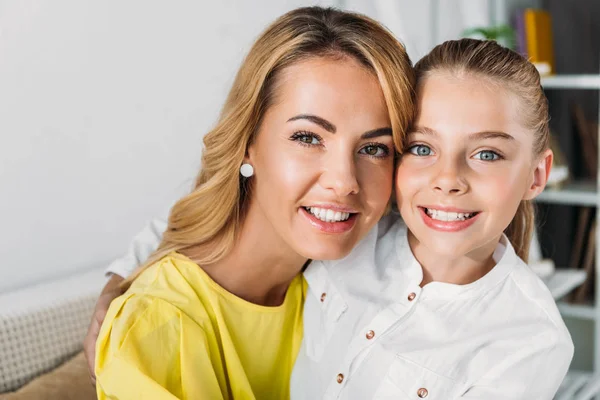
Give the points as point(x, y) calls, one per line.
point(322, 122)
point(376, 133)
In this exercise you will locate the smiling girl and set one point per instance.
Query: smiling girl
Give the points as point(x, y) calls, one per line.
point(444, 307)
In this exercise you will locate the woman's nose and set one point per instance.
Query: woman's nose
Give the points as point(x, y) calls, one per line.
point(340, 176)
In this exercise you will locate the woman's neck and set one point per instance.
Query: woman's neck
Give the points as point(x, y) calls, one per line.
point(260, 266)
point(460, 269)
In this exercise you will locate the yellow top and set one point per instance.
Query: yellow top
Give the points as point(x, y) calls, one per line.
point(177, 334)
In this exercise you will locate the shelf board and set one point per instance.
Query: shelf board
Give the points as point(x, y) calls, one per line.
point(573, 193)
point(563, 281)
point(578, 384)
point(579, 311)
point(591, 81)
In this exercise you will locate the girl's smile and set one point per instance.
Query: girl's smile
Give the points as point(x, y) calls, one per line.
point(448, 219)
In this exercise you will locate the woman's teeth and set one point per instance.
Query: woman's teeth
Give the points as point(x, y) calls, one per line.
point(328, 215)
point(448, 216)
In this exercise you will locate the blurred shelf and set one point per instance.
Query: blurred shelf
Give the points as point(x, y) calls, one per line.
point(571, 82)
point(573, 193)
point(579, 311)
point(563, 281)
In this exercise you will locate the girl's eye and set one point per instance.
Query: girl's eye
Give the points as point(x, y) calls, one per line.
point(306, 138)
point(375, 150)
point(421, 150)
point(487, 155)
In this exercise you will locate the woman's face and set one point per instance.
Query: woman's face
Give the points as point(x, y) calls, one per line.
point(468, 164)
point(323, 158)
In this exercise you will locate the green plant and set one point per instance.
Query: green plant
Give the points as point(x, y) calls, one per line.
point(504, 33)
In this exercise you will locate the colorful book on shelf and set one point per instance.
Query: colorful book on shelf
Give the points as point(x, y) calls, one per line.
point(538, 35)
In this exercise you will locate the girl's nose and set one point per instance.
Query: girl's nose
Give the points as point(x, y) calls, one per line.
point(450, 179)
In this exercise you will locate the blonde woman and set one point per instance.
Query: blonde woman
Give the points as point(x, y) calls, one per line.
point(298, 167)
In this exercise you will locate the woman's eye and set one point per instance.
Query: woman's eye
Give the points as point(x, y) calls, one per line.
point(421, 150)
point(375, 150)
point(487, 155)
point(309, 139)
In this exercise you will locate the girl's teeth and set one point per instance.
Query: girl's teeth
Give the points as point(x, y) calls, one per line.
point(448, 216)
point(328, 215)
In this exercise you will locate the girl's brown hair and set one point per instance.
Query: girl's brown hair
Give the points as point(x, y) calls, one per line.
point(211, 214)
point(488, 60)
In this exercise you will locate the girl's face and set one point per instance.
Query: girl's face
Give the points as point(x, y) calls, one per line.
point(468, 164)
point(323, 159)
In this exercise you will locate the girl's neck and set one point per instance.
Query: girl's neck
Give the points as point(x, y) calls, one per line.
point(260, 266)
point(460, 269)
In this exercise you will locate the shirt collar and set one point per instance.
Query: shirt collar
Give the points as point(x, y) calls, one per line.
point(504, 256)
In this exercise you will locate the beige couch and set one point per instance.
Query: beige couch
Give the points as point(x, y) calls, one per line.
point(41, 333)
point(70, 381)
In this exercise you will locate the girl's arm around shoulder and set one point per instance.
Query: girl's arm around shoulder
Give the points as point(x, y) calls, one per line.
point(148, 348)
point(533, 369)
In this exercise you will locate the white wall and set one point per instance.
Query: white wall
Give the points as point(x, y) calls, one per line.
point(103, 105)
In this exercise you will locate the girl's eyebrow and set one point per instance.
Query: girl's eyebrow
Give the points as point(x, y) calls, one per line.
point(473, 136)
point(491, 135)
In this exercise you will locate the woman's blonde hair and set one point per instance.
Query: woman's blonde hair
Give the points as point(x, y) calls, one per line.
point(488, 60)
point(211, 214)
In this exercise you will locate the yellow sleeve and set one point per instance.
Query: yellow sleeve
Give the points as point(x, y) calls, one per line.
point(140, 353)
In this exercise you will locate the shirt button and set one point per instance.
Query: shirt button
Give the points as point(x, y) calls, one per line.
point(411, 296)
point(370, 335)
point(323, 295)
point(422, 393)
point(340, 378)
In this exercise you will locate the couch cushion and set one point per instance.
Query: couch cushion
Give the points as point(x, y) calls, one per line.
point(44, 325)
point(70, 381)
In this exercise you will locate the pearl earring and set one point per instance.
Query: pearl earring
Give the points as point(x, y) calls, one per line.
point(246, 170)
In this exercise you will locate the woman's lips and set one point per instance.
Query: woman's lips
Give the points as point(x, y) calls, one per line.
point(330, 227)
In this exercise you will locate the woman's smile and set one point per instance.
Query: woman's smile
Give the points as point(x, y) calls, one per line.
point(331, 219)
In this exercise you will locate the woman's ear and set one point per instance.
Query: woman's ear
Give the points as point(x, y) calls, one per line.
point(250, 154)
point(540, 175)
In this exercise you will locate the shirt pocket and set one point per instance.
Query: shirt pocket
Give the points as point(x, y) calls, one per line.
point(407, 380)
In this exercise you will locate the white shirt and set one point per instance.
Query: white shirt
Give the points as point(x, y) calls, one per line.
point(140, 249)
point(371, 332)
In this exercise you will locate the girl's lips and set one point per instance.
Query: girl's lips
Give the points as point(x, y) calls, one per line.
point(447, 226)
point(330, 227)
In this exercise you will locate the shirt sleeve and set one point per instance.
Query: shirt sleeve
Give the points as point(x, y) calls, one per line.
point(143, 244)
point(140, 353)
point(533, 371)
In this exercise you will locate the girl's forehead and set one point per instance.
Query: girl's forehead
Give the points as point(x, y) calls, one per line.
point(465, 102)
